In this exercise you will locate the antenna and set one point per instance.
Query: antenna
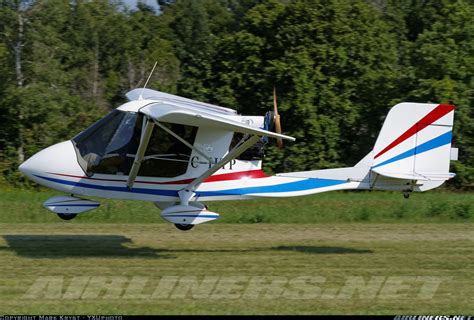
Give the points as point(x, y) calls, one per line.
point(146, 83)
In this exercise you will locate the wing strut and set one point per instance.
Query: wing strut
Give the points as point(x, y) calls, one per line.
point(145, 138)
point(187, 192)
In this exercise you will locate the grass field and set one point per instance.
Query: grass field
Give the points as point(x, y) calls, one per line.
point(335, 253)
point(389, 262)
point(21, 206)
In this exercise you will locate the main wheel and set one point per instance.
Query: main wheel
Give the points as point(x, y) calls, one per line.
point(184, 227)
point(406, 195)
point(65, 216)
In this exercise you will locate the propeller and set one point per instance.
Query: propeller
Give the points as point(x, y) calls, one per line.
point(277, 119)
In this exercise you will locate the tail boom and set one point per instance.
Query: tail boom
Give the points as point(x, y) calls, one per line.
point(412, 152)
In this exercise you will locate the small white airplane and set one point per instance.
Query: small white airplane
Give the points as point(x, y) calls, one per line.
point(177, 153)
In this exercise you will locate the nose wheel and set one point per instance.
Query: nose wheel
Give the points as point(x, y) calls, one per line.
point(65, 216)
point(184, 227)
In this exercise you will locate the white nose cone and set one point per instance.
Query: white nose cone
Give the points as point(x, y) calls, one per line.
point(57, 159)
point(24, 167)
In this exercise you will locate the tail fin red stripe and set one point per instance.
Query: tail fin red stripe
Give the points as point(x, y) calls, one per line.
point(431, 117)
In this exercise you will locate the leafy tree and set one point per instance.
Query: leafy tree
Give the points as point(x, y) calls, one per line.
point(337, 66)
point(332, 62)
point(196, 26)
point(443, 58)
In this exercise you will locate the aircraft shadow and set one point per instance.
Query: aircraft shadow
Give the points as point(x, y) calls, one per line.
point(303, 249)
point(70, 246)
point(322, 250)
point(117, 246)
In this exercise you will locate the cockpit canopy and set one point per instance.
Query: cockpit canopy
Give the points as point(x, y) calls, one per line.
point(109, 147)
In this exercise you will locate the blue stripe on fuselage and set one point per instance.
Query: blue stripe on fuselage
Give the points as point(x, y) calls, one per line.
point(300, 185)
point(170, 193)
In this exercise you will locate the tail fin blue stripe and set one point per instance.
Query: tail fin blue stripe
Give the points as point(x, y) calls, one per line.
point(427, 146)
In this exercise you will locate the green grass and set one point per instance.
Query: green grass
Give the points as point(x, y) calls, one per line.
point(22, 206)
point(330, 239)
point(332, 256)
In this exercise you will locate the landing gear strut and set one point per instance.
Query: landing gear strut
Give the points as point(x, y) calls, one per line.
point(184, 227)
point(67, 216)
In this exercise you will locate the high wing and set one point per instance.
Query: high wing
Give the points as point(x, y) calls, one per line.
point(175, 113)
point(176, 109)
point(148, 94)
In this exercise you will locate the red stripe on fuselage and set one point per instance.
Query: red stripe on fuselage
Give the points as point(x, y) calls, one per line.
point(431, 117)
point(253, 174)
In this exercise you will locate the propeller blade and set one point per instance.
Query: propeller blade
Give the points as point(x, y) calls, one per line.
point(277, 119)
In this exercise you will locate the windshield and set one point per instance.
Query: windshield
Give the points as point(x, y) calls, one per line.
point(109, 147)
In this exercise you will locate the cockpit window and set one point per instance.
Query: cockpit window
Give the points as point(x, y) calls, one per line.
point(255, 152)
point(110, 145)
point(101, 147)
point(166, 156)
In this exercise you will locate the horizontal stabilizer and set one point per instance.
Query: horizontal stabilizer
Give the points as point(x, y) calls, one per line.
point(416, 176)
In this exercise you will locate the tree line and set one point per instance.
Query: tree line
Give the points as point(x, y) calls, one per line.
point(337, 65)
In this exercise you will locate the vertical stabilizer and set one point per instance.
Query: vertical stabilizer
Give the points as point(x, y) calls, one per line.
point(415, 142)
